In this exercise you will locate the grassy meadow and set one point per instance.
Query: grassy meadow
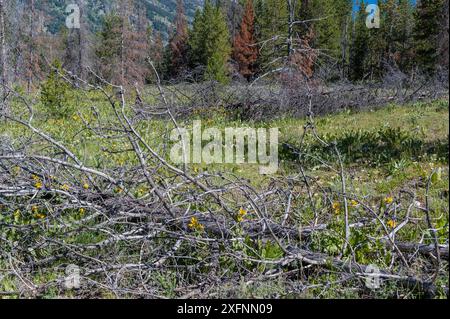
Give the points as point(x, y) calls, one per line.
point(386, 153)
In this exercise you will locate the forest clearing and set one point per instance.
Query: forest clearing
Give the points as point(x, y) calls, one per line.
point(258, 149)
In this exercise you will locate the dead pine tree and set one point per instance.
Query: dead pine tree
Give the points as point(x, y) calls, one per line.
point(178, 43)
point(76, 44)
point(245, 50)
point(133, 50)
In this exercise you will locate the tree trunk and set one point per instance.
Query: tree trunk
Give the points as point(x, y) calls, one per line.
point(291, 15)
point(81, 41)
point(3, 59)
point(30, 47)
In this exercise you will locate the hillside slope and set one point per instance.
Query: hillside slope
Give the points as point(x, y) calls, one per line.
point(159, 12)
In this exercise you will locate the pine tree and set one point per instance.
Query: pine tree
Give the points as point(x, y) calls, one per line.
point(271, 30)
point(121, 51)
point(376, 42)
point(359, 47)
point(160, 58)
point(396, 31)
point(245, 51)
point(217, 48)
point(31, 47)
point(344, 15)
point(426, 32)
point(209, 43)
point(234, 12)
point(178, 43)
point(443, 39)
point(327, 27)
point(74, 43)
point(376, 50)
point(108, 51)
point(134, 47)
point(55, 93)
point(197, 54)
point(216, 69)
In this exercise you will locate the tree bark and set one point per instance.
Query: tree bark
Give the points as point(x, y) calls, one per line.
point(3, 59)
point(31, 47)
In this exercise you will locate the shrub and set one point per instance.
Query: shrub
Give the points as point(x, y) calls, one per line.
point(55, 93)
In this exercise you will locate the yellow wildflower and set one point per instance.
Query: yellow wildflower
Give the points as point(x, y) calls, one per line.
point(195, 224)
point(34, 209)
point(392, 223)
point(16, 170)
point(16, 214)
point(119, 190)
point(241, 214)
point(86, 186)
point(353, 203)
point(35, 177)
point(82, 211)
point(39, 216)
point(336, 207)
point(389, 200)
point(38, 185)
point(65, 187)
point(141, 192)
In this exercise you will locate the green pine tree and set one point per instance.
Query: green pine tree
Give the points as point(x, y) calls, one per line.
point(271, 26)
point(216, 69)
point(56, 93)
point(359, 47)
point(108, 50)
point(426, 30)
point(396, 30)
point(327, 28)
point(197, 41)
point(209, 43)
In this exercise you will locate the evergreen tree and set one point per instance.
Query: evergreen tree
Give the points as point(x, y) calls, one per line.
point(55, 93)
point(196, 41)
point(134, 48)
point(74, 42)
point(121, 51)
point(245, 51)
point(178, 43)
point(443, 40)
point(216, 69)
point(31, 46)
point(376, 42)
point(426, 32)
point(396, 30)
point(209, 43)
point(327, 28)
point(376, 49)
point(271, 31)
point(344, 15)
point(108, 51)
point(360, 46)
point(160, 57)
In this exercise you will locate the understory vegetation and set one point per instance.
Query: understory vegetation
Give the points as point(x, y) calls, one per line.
point(354, 188)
